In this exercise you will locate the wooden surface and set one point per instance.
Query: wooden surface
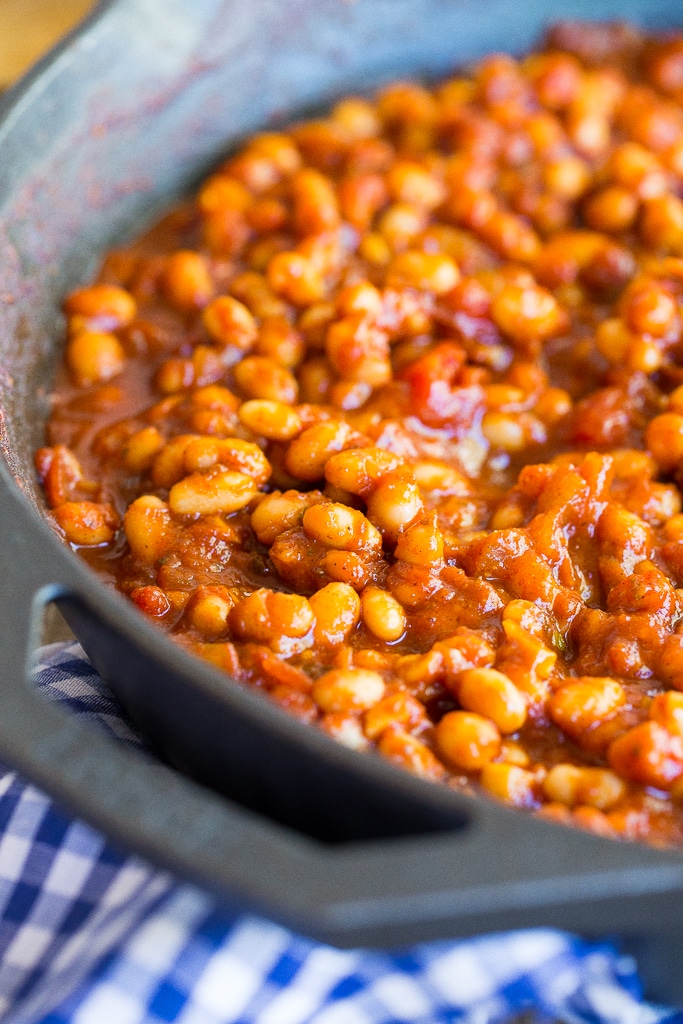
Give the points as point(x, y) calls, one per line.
point(30, 27)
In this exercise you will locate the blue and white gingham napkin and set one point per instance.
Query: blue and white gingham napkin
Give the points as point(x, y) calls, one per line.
point(91, 935)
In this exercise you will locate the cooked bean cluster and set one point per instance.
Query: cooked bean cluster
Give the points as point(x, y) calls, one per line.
point(388, 422)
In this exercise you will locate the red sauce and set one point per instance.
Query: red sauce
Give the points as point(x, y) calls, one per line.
point(388, 423)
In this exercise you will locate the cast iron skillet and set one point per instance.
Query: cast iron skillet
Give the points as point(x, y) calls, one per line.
point(120, 120)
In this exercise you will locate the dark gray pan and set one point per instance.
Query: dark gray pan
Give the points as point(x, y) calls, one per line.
point(93, 145)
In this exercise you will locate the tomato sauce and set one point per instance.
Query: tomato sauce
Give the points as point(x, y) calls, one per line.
point(387, 422)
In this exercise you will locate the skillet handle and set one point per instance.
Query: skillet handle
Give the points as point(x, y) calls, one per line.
point(346, 894)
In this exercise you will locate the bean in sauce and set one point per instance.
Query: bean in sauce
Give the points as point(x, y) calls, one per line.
point(387, 422)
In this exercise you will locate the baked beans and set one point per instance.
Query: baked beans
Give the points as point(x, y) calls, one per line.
point(387, 421)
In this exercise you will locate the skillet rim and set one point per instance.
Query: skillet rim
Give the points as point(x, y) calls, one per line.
point(486, 817)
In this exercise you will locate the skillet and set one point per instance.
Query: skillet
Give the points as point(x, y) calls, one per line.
point(94, 144)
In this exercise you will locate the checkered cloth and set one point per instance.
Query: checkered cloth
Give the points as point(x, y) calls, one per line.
point(91, 935)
